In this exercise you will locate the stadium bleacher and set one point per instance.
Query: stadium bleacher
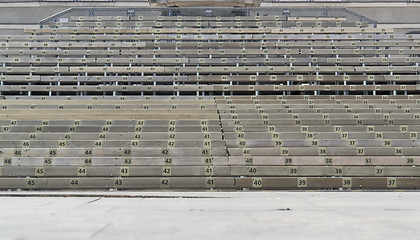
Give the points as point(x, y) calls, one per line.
point(265, 101)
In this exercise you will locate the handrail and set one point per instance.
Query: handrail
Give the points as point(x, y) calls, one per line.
point(370, 20)
point(45, 20)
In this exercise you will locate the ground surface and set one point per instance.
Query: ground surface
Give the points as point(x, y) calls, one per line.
point(211, 215)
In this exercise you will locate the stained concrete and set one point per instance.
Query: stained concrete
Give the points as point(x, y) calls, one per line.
point(391, 14)
point(33, 12)
point(210, 215)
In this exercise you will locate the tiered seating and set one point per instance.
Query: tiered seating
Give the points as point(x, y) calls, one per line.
point(181, 55)
point(274, 102)
point(146, 143)
point(357, 142)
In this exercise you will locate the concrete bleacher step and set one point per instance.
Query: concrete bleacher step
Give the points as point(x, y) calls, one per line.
point(269, 183)
point(323, 160)
point(119, 183)
point(117, 161)
point(302, 183)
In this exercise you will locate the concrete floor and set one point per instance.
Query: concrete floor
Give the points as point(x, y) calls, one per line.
point(210, 215)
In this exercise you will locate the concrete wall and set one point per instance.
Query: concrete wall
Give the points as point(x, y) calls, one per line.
point(33, 12)
point(27, 15)
point(391, 15)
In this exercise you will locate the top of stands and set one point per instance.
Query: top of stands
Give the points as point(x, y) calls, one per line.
point(206, 12)
point(201, 3)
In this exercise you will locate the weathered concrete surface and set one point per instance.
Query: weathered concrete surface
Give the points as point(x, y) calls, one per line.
point(391, 14)
point(215, 215)
point(29, 15)
point(33, 12)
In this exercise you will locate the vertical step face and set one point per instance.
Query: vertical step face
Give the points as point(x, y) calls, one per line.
point(209, 102)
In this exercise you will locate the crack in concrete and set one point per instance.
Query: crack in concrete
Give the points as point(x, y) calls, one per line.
point(92, 201)
point(100, 230)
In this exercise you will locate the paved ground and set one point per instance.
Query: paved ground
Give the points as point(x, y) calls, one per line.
point(210, 215)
